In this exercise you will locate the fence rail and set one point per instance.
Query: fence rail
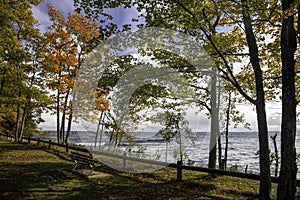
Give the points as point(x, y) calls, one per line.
point(126, 158)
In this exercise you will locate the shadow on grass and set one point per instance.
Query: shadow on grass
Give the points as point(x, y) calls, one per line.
point(13, 146)
point(249, 195)
point(18, 179)
point(56, 181)
point(52, 178)
point(123, 187)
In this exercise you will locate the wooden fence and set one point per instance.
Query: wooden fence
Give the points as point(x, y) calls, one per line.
point(179, 166)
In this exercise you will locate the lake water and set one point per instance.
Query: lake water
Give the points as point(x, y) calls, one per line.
point(242, 149)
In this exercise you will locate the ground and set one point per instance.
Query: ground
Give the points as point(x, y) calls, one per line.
point(28, 171)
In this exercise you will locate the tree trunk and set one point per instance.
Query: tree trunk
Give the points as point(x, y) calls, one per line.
point(2, 82)
point(221, 166)
point(62, 127)
point(58, 108)
point(287, 178)
point(27, 105)
point(69, 123)
point(70, 118)
point(276, 154)
point(214, 123)
point(63, 118)
point(264, 161)
point(226, 131)
point(23, 121)
point(17, 133)
point(101, 134)
point(98, 129)
point(58, 116)
point(220, 153)
point(69, 128)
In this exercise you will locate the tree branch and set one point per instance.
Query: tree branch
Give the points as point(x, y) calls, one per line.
point(230, 78)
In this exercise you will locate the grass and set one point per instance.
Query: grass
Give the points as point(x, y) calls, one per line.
point(34, 172)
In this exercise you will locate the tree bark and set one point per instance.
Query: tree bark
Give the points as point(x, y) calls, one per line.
point(58, 109)
point(69, 122)
point(17, 138)
point(264, 161)
point(69, 128)
point(58, 116)
point(23, 121)
point(227, 131)
point(2, 82)
point(63, 118)
point(287, 178)
point(276, 154)
point(220, 153)
point(214, 123)
point(17, 133)
point(101, 134)
point(98, 129)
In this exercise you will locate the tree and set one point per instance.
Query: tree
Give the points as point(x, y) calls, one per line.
point(102, 105)
point(214, 112)
point(21, 92)
point(287, 178)
point(68, 42)
point(234, 118)
point(264, 161)
point(248, 25)
point(35, 95)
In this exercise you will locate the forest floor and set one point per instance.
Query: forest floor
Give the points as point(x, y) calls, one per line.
point(35, 172)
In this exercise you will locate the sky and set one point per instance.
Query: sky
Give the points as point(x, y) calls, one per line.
point(122, 16)
point(40, 12)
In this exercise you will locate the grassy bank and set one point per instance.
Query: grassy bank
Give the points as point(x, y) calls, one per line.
point(33, 172)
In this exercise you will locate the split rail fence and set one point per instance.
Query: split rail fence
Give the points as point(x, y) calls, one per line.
point(179, 166)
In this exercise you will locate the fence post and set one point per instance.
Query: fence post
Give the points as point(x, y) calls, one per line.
point(124, 160)
point(67, 147)
point(38, 141)
point(29, 140)
point(179, 170)
point(49, 146)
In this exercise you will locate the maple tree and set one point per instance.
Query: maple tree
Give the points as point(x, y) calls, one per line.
point(68, 41)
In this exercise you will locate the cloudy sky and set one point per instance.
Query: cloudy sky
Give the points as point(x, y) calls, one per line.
point(41, 11)
point(122, 16)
